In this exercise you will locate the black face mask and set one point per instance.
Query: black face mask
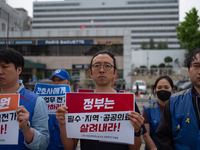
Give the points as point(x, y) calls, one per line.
point(163, 95)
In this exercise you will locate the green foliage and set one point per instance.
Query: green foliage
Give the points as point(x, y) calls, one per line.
point(176, 61)
point(154, 66)
point(168, 59)
point(159, 46)
point(162, 45)
point(169, 66)
point(143, 66)
point(151, 44)
point(144, 45)
point(162, 65)
point(188, 31)
point(39, 75)
point(183, 45)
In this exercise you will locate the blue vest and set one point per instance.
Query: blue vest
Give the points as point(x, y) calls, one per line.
point(27, 99)
point(54, 131)
point(154, 116)
point(187, 137)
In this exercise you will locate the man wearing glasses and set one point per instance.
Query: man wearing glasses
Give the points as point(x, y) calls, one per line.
point(102, 70)
point(179, 127)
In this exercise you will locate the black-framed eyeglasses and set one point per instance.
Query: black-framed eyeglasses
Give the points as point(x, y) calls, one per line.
point(195, 66)
point(106, 67)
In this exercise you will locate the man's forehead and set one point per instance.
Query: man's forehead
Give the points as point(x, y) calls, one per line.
point(57, 78)
point(103, 58)
point(3, 62)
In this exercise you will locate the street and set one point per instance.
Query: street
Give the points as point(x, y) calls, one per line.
point(144, 99)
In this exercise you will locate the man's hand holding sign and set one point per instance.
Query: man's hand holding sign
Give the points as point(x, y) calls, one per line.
point(89, 123)
point(100, 116)
point(23, 110)
point(24, 124)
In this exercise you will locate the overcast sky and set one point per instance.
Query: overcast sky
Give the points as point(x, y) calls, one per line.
point(185, 6)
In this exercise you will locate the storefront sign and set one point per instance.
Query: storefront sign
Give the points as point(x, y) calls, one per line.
point(79, 66)
point(64, 42)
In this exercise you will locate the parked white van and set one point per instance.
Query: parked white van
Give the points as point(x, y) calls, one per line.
point(142, 86)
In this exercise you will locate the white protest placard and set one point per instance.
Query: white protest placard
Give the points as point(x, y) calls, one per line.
point(100, 116)
point(54, 95)
point(9, 126)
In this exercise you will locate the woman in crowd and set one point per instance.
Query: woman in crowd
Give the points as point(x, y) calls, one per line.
point(152, 112)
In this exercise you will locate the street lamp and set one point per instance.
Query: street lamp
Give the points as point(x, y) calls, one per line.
point(7, 28)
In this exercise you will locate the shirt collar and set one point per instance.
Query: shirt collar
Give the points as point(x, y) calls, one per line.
point(20, 88)
point(196, 93)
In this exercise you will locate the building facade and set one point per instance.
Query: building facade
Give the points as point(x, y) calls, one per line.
point(147, 19)
point(66, 34)
point(13, 19)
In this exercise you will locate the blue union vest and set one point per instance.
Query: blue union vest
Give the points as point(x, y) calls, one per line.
point(27, 99)
point(154, 116)
point(54, 131)
point(183, 116)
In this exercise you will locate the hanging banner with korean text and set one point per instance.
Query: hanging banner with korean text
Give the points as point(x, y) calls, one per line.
point(9, 126)
point(100, 116)
point(54, 95)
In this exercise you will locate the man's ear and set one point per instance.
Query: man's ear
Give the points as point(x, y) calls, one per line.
point(68, 82)
point(90, 73)
point(19, 70)
point(115, 73)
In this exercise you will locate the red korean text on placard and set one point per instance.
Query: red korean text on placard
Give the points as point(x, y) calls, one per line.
point(104, 127)
point(54, 106)
point(3, 129)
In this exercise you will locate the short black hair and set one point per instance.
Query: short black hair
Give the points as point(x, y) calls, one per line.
point(162, 77)
point(104, 52)
point(191, 57)
point(11, 56)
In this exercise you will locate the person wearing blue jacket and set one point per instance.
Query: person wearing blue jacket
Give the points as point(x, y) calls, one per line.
point(60, 76)
point(152, 112)
point(179, 127)
point(32, 110)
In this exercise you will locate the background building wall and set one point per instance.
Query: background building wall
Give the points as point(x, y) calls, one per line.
point(156, 57)
point(66, 62)
point(147, 19)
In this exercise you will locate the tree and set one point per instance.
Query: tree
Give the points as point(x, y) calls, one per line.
point(164, 45)
point(169, 66)
point(162, 65)
point(144, 45)
point(159, 46)
point(188, 31)
point(176, 61)
point(154, 66)
point(39, 75)
point(143, 66)
point(151, 44)
point(168, 59)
